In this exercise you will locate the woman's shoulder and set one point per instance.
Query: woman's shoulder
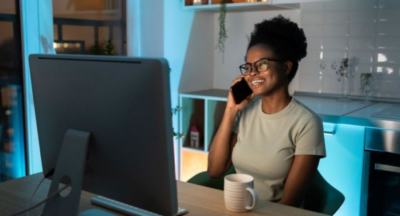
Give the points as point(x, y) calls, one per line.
point(305, 112)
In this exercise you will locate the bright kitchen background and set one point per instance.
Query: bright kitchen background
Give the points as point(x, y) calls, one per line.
point(365, 31)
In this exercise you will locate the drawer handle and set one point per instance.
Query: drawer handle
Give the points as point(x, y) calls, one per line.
point(387, 168)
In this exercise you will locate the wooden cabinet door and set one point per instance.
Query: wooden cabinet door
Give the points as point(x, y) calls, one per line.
point(192, 163)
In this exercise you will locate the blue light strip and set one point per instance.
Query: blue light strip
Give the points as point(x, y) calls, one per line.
point(342, 167)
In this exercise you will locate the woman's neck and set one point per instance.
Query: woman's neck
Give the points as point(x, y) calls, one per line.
point(276, 102)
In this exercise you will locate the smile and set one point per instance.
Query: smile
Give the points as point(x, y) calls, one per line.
point(257, 82)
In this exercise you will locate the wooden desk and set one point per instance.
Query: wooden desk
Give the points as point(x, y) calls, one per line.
point(201, 201)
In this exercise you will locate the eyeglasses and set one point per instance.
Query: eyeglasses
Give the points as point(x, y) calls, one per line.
point(259, 66)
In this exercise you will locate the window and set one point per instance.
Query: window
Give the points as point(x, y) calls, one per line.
point(12, 134)
point(90, 27)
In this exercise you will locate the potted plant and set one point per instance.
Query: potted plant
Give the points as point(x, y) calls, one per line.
point(222, 36)
point(342, 76)
point(108, 48)
point(365, 84)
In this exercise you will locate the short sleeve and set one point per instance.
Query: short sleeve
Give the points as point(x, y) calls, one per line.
point(235, 128)
point(310, 140)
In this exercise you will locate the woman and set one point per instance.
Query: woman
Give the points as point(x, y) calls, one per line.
point(272, 137)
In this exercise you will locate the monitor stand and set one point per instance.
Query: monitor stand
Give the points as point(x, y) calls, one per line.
point(69, 170)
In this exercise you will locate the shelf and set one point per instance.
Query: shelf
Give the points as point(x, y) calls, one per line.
point(193, 114)
point(238, 5)
point(203, 109)
point(214, 113)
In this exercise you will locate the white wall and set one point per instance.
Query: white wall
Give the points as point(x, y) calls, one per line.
point(367, 32)
point(177, 30)
point(145, 28)
point(197, 71)
point(177, 27)
point(239, 26)
point(188, 47)
point(37, 36)
point(152, 28)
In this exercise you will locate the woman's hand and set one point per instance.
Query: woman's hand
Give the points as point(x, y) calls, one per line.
point(220, 153)
point(231, 105)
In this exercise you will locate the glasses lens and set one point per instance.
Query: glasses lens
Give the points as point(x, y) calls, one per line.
point(245, 69)
point(262, 65)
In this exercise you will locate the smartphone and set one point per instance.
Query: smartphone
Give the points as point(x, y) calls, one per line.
point(241, 91)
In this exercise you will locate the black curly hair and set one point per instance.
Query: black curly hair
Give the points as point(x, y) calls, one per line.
point(284, 38)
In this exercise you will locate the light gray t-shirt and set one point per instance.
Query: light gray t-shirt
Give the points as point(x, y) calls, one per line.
point(267, 144)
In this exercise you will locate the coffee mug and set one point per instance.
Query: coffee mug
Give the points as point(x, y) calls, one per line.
point(239, 194)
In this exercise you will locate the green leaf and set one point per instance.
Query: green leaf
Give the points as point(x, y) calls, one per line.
point(222, 36)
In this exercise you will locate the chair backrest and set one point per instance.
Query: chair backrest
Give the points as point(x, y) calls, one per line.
point(204, 179)
point(323, 197)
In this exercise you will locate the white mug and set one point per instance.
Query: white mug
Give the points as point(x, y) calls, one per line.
point(239, 194)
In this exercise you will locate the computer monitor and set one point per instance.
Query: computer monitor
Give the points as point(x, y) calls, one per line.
point(125, 104)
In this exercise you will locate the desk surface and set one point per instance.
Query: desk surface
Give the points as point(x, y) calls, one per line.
point(15, 194)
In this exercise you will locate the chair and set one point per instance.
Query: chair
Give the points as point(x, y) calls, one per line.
point(204, 179)
point(323, 197)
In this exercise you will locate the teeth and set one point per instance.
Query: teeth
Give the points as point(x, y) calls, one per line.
point(255, 82)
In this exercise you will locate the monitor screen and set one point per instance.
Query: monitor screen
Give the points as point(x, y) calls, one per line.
point(125, 104)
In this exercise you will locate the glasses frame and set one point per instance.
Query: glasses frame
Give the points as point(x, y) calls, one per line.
point(252, 65)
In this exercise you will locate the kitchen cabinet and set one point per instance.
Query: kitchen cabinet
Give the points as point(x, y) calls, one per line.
point(193, 162)
point(342, 167)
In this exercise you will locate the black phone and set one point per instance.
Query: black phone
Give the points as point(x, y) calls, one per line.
point(241, 91)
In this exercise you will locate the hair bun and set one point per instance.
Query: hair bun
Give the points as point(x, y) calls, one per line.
point(282, 35)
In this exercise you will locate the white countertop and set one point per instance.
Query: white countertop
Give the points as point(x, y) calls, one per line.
point(330, 106)
point(352, 108)
point(357, 112)
point(374, 110)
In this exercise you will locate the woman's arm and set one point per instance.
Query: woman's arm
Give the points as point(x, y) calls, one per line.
point(299, 179)
point(220, 152)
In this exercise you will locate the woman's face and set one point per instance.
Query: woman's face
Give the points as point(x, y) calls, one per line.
point(267, 82)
